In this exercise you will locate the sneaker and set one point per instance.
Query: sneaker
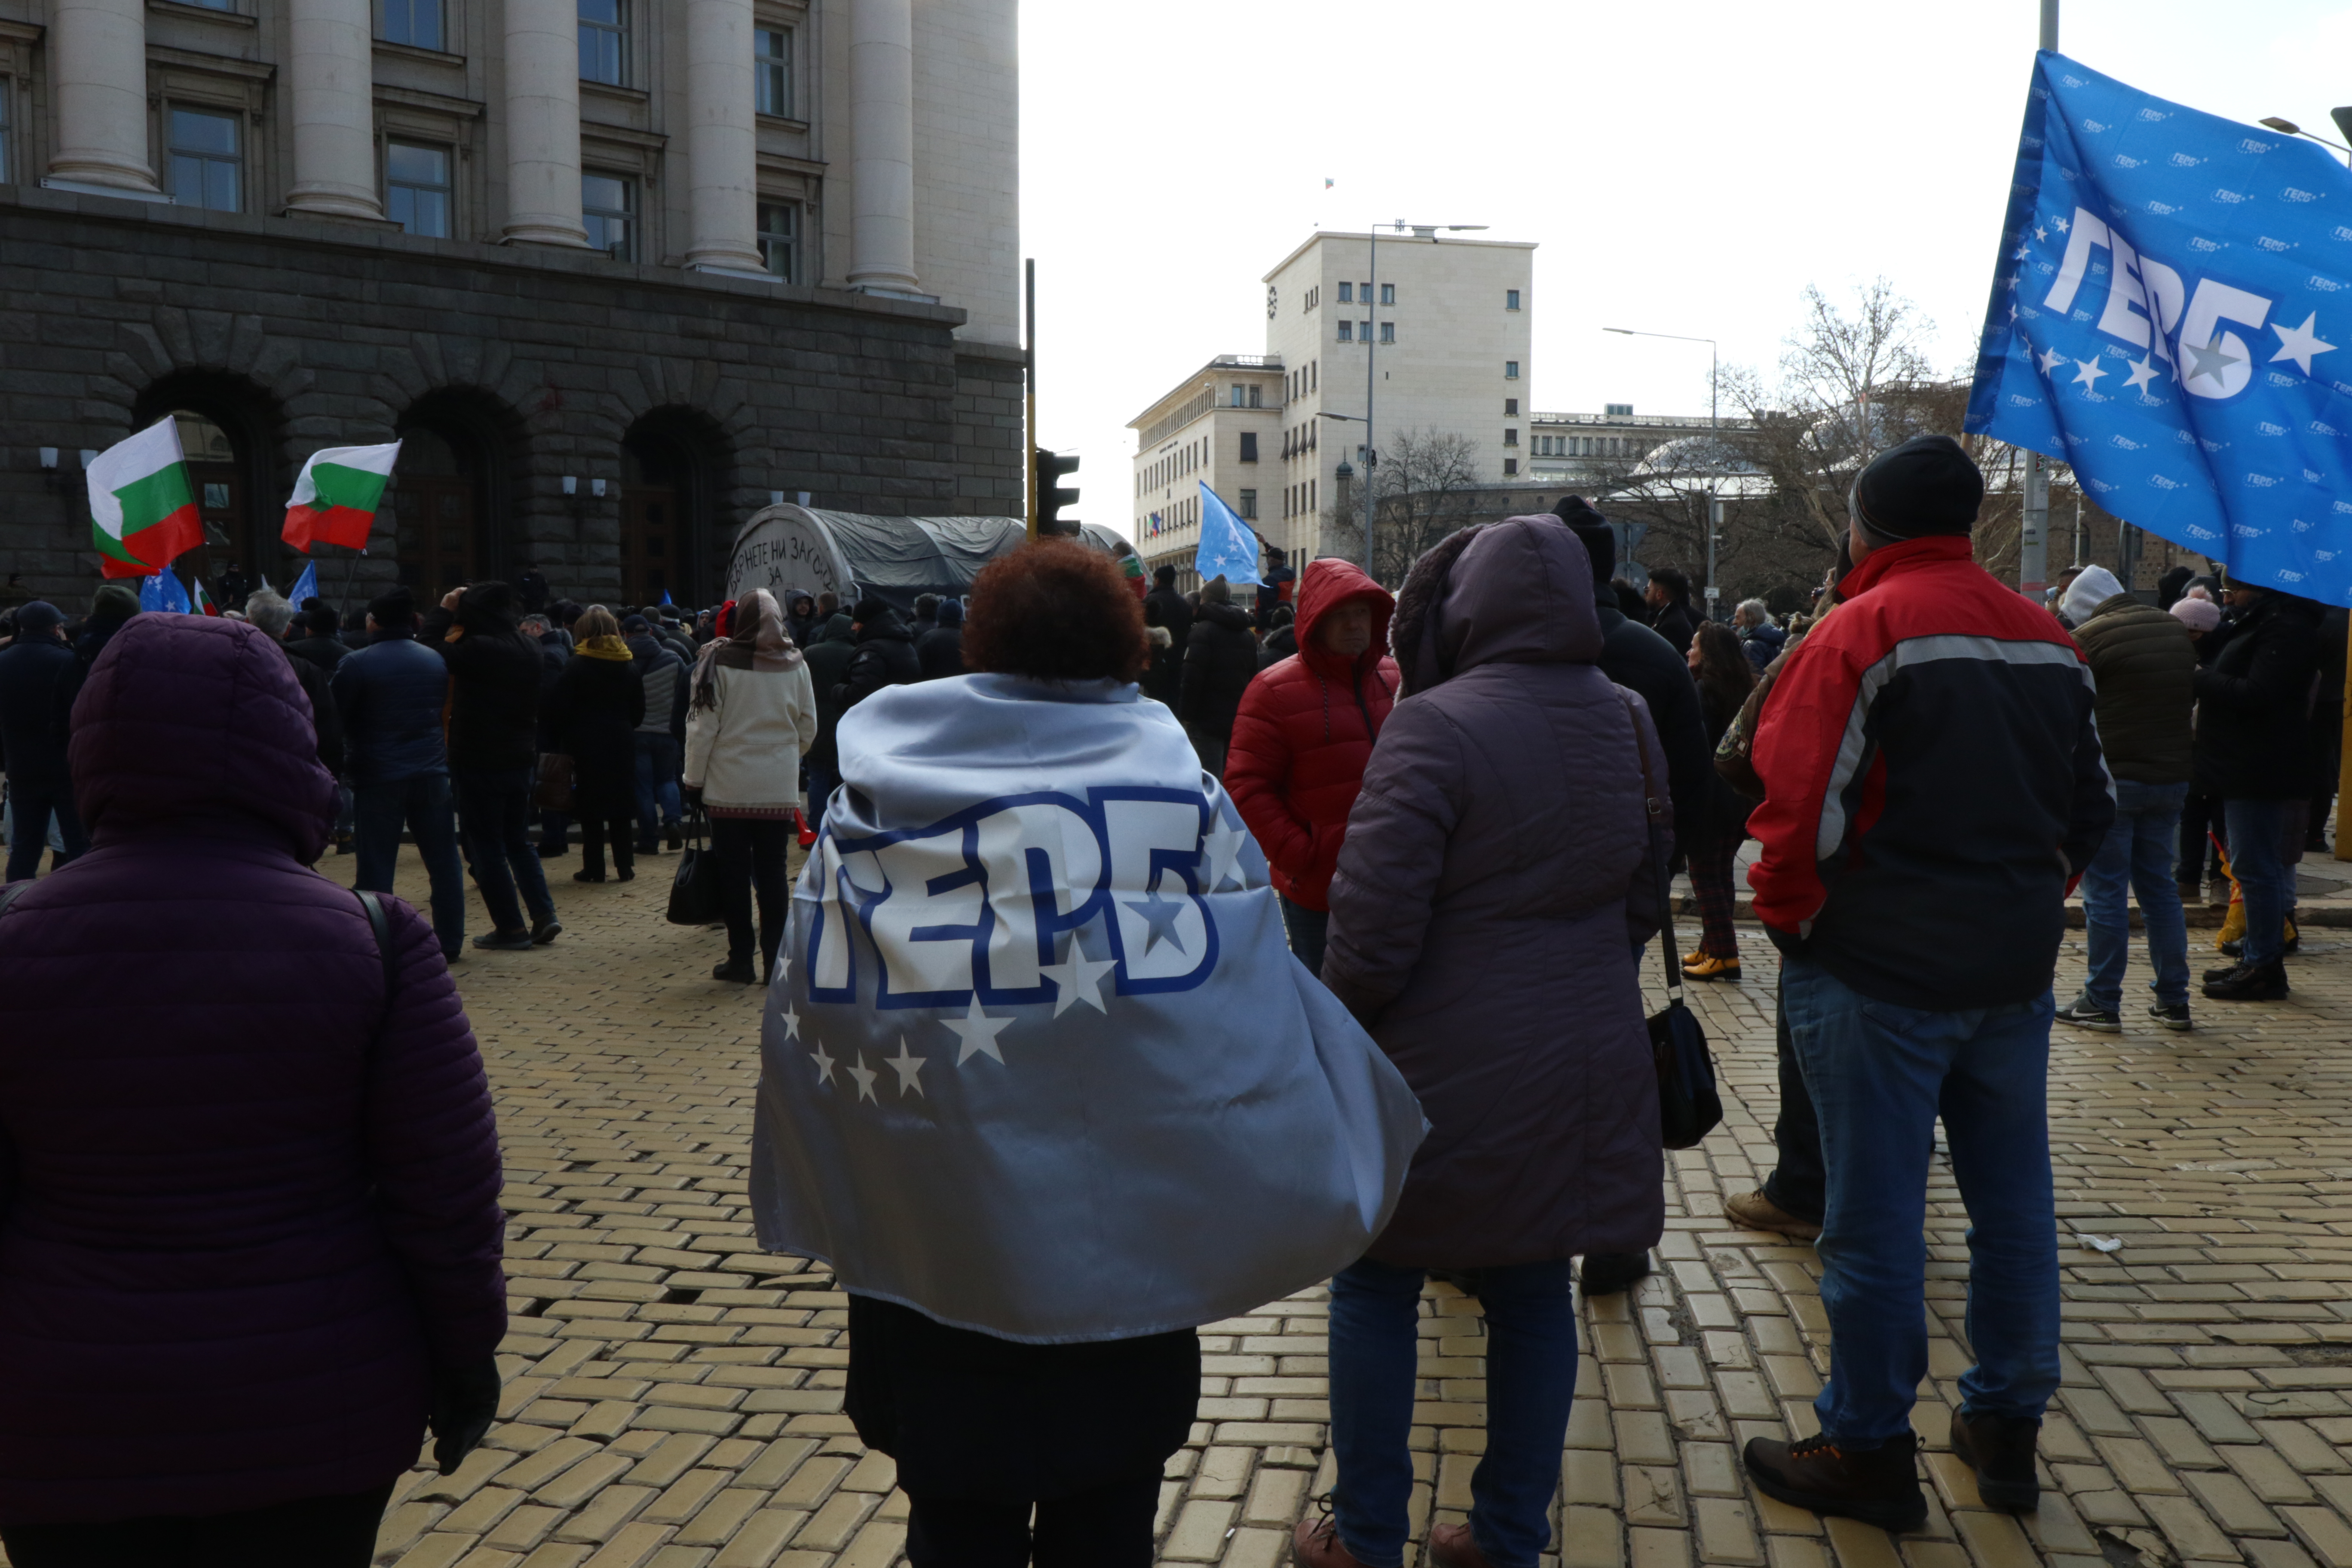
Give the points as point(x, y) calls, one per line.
point(1999, 1449)
point(736, 971)
point(1612, 1273)
point(2250, 983)
point(1754, 1211)
point(1452, 1546)
point(2171, 1015)
point(505, 942)
point(1878, 1486)
point(546, 930)
point(2083, 1015)
point(1315, 1543)
point(1710, 968)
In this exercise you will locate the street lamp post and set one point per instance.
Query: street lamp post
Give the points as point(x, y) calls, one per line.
point(1715, 443)
point(1428, 231)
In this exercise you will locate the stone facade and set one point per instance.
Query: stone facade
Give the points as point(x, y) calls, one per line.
point(720, 394)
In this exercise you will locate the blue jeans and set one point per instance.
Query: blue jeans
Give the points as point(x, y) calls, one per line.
point(1531, 1386)
point(2258, 859)
point(2135, 858)
point(1309, 931)
point(1879, 1075)
point(378, 810)
point(821, 782)
point(494, 813)
point(656, 784)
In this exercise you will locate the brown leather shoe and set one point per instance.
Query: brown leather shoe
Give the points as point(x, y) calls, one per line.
point(1452, 1546)
point(1754, 1211)
point(1877, 1485)
point(1315, 1543)
point(1999, 1449)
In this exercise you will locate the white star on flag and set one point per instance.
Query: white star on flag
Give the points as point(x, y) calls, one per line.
point(2059, 224)
point(978, 1032)
point(2212, 361)
point(2143, 372)
point(1224, 844)
point(824, 1063)
point(2088, 372)
point(2300, 343)
point(908, 1068)
point(1077, 978)
point(865, 1076)
point(792, 1021)
point(2050, 360)
point(2041, 233)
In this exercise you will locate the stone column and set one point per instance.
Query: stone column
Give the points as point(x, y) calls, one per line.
point(543, 123)
point(332, 76)
point(98, 58)
point(882, 144)
point(721, 143)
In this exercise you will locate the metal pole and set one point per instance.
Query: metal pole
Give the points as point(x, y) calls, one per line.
point(1029, 416)
point(2033, 534)
point(1714, 532)
point(1370, 350)
point(2049, 23)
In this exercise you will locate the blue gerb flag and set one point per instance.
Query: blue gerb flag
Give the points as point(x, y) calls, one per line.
point(2170, 288)
point(163, 591)
point(306, 586)
point(1228, 548)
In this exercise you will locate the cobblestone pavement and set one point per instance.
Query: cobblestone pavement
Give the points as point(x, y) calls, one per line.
point(673, 1394)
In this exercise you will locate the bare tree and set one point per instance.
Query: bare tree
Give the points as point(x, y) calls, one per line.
point(1425, 487)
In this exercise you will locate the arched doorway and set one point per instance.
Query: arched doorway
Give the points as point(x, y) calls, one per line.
point(437, 506)
point(228, 431)
point(670, 464)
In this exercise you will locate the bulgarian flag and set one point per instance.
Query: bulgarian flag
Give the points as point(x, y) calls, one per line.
point(200, 602)
point(142, 510)
point(336, 496)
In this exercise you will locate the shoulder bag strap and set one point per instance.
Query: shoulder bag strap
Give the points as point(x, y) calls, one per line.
point(1653, 800)
point(380, 924)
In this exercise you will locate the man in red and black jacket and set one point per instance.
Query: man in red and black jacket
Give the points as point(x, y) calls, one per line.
point(1934, 787)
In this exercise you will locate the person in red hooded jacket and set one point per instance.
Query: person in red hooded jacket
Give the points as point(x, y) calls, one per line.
point(1303, 735)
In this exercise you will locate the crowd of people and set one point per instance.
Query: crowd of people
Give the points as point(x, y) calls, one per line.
point(1430, 826)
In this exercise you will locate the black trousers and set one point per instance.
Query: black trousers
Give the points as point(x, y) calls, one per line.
point(750, 853)
point(1798, 1185)
point(594, 833)
point(309, 1533)
point(1109, 1527)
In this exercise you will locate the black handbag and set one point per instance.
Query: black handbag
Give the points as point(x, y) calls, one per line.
point(694, 898)
point(1689, 1107)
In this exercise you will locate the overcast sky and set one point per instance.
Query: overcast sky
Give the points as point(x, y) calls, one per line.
point(1688, 166)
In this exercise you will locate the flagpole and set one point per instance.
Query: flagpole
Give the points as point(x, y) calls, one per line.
point(344, 602)
point(2034, 520)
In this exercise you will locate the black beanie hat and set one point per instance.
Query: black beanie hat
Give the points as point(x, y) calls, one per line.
point(395, 606)
point(1594, 532)
point(1925, 486)
point(870, 610)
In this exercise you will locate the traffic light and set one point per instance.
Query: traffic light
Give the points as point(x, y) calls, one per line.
point(1052, 496)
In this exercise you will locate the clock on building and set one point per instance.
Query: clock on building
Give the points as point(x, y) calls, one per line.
point(1271, 296)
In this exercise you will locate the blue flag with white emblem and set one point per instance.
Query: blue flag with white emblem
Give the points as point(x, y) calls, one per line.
point(2170, 287)
point(306, 586)
point(164, 591)
point(1228, 548)
point(1037, 1060)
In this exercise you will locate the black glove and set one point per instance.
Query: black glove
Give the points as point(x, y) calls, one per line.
point(465, 1403)
point(691, 795)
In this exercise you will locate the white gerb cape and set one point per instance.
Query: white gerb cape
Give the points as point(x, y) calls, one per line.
point(1037, 1060)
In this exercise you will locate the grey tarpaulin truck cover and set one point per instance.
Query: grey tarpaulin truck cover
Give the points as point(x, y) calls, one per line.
point(848, 553)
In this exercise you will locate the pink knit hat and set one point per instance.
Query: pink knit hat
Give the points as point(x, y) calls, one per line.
point(2197, 615)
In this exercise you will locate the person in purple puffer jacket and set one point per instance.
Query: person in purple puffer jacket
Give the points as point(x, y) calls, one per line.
point(249, 1232)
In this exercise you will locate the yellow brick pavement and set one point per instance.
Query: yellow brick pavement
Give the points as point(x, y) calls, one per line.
point(674, 1396)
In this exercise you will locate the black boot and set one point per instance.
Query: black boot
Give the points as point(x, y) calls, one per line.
point(1999, 1449)
point(736, 970)
point(1879, 1486)
point(1611, 1273)
point(2250, 983)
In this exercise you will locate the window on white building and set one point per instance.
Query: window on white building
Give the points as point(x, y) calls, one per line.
point(780, 239)
point(607, 206)
point(1510, 408)
point(1249, 446)
point(1510, 436)
point(1510, 370)
point(1249, 505)
point(772, 68)
point(1347, 293)
point(1511, 467)
point(1510, 299)
point(206, 168)
point(1346, 331)
point(1257, 395)
point(417, 187)
point(1387, 332)
point(604, 41)
point(1388, 293)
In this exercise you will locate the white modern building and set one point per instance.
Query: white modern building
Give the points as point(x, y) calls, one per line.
point(1587, 447)
point(1221, 426)
point(1444, 322)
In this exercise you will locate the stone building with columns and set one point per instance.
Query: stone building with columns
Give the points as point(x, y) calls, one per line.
point(617, 272)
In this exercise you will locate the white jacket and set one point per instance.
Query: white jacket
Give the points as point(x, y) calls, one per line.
point(745, 752)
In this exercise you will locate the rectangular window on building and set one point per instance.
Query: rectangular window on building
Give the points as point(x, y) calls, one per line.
point(1363, 293)
point(1510, 299)
point(1346, 331)
point(1511, 467)
point(1510, 370)
point(417, 188)
point(1620, 411)
point(604, 41)
point(780, 239)
point(206, 171)
point(1249, 505)
point(1249, 446)
point(1314, 374)
point(416, 23)
point(1510, 436)
point(1257, 395)
point(1388, 293)
point(1387, 332)
point(1347, 293)
point(1240, 393)
point(772, 66)
point(1510, 408)
point(607, 206)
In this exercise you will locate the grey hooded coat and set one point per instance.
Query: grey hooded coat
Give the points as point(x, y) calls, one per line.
point(1495, 879)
